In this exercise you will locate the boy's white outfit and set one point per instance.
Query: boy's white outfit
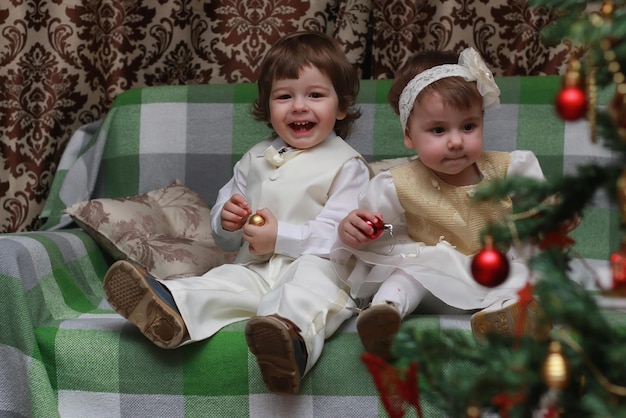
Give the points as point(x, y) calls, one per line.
point(309, 192)
point(431, 249)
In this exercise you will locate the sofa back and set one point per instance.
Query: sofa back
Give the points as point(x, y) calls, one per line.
point(154, 135)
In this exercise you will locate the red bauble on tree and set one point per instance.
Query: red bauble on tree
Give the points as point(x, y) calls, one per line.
point(571, 103)
point(618, 268)
point(490, 267)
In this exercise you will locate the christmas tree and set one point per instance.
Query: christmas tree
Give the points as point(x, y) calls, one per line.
point(579, 370)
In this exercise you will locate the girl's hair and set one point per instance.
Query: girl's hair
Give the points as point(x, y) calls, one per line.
point(290, 55)
point(455, 91)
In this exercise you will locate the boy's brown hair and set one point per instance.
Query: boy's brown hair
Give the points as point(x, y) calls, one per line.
point(455, 91)
point(290, 55)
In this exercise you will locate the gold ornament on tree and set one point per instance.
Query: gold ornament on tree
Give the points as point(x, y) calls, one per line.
point(617, 114)
point(592, 101)
point(555, 370)
point(617, 106)
point(473, 411)
point(617, 110)
point(555, 374)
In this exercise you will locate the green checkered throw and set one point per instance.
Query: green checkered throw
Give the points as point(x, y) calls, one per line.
point(64, 352)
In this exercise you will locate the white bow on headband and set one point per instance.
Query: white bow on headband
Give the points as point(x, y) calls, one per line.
point(471, 67)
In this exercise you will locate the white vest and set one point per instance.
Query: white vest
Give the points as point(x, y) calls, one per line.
point(296, 191)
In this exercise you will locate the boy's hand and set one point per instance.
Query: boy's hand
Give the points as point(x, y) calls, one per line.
point(235, 213)
point(354, 229)
point(262, 238)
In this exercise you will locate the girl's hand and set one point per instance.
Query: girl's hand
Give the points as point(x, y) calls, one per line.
point(355, 231)
point(235, 213)
point(262, 238)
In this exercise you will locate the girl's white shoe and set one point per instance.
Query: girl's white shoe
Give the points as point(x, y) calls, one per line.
point(377, 326)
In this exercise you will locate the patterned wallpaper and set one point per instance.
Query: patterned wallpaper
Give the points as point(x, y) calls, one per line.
point(63, 63)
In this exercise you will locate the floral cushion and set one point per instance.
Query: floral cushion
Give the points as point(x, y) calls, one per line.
point(167, 231)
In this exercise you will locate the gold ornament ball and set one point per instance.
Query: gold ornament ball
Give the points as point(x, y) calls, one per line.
point(256, 219)
point(473, 412)
point(555, 370)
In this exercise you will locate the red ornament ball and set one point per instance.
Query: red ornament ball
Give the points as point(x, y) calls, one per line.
point(571, 103)
point(490, 267)
point(378, 227)
point(618, 268)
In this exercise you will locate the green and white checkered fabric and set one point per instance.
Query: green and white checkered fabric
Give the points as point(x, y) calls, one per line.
point(195, 134)
point(64, 352)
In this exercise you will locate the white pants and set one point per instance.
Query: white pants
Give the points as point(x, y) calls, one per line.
point(306, 290)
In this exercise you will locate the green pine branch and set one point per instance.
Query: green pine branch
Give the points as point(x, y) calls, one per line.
point(455, 372)
point(541, 206)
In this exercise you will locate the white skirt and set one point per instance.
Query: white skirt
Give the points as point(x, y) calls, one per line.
point(441, 269)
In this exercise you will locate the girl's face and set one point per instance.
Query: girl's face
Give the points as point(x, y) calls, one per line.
point(447, 140)
point(303, 111)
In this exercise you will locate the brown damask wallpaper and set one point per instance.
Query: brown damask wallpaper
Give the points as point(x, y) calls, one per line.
point(506, 33)
point(62, 63)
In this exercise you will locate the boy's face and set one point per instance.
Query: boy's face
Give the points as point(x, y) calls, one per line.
point(303, 111)
point(447, 140)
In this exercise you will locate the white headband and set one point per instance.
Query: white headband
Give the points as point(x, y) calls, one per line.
point(471, 67)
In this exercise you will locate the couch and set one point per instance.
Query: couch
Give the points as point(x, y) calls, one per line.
point(64, 352)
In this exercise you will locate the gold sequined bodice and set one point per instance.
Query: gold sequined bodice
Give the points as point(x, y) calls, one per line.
point(437, 211)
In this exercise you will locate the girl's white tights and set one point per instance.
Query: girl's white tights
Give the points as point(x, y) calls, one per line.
point(403, 290)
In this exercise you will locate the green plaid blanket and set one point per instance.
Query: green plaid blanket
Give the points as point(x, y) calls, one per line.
point(64, 352)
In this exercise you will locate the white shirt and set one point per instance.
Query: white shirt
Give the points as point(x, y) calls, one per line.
point(381, 195)
point(315, 237)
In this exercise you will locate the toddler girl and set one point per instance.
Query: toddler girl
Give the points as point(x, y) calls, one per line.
point(440, 98)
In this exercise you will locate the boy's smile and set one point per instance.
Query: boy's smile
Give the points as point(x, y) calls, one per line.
point(304, 110)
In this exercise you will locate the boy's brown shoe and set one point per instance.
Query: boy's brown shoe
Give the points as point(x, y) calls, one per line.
point(377, 326)
point(505, 321)
point(141, 299)
point(279, 350)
